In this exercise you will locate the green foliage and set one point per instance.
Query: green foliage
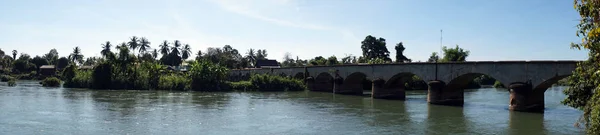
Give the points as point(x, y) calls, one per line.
point(207, 76)
point(12, 83)
point(101, 76)
point(455, 54)
point(400, 53)
point(374, 48)
point(242, 85)
point(6, 78)
point(318, 61)
point(82, 79)
point(69, 72)
point(584, 84)
point(38, 62)
point(498, 84)
point(332, 61)
point(267, 82)
point(62, 63)
point(51, 82)
point(174, 82)
point(378, 61)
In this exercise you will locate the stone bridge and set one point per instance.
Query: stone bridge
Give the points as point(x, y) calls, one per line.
point(527, 80)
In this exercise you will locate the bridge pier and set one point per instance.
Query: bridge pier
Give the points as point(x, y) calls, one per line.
point(523, 98)
point(380, 91)
point(440, 94)
point(339, 87)
point(310, 83)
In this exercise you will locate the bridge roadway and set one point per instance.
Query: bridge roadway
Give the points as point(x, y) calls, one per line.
point(526, 80)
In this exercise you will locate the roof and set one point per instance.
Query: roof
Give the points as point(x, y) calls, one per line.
point(267, 63)
point(47, 67)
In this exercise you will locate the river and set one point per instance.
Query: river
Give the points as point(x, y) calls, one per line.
point(32, 109)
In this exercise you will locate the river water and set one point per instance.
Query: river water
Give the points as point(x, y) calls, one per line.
point(32, 109)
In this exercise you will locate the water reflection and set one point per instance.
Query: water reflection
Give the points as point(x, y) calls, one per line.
point(526, 123)
point(446, 117)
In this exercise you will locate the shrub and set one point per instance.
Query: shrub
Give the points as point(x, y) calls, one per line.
point(267, 82)
point(498, 84)
point(82, 79)
point(12, 82)
point(6, 78)
point(51, 82)
point(101, 76)
point(207, 76)
point(174, 82)
point(241, 85)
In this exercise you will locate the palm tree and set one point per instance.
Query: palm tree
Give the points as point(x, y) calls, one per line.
point(154, 53)
point(186, 51)
point(144, 45)
point(164, 48)
point(106, 49)
point(76, 55)
point(251, 56)
point(175, 48)
point(133, 43)
point(14, 53)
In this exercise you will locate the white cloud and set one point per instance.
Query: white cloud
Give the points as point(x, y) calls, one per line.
point(261, 10)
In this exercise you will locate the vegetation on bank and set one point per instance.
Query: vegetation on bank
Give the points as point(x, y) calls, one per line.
point(51, 82)
point(12, 83)
point(583, 91)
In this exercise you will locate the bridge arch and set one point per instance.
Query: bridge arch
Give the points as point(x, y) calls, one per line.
point(400, 79)
point(462, 81)
point(324, 82)
point(542, 87)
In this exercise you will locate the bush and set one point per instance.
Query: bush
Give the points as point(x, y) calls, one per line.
point(174, 82)
point(6, 78)
point(101, 76)
point(267, 82)
point(207, 76)
point(241, 85)
point(498, 84)
point(12, 83)
point(82, 79)
point(51, 82)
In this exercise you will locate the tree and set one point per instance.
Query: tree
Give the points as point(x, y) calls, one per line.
point(24, 57)
point(2, 53)
point(90, 61)
point(106, 49)
point(251, 56)
point(144, 45)
point(288, 61)
point(319, 60)
point(164, 48)
point(332, 60)
point(583, 91)
point(39, 61)
point(433, 57)
point(261, 54)
point(76, 56)
point(154, 54)
point(62, 62)
point(349, 59)
point(14, 53)
point(133, 43)
point(186, 51)
point(455, 54)
point(175, 48)
point(52, 56)
point(374, 48)
point(400, 53)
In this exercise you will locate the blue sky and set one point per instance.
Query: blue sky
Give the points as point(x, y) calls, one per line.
point(491, 30)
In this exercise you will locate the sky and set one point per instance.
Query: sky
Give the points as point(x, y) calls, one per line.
point(490, 30)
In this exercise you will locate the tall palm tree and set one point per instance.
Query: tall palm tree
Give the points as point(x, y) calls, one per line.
point(133, 43)
point(106, 49)
point(76, 56)
point(164, 48)
point(144, 45)
point(251, 56)
point(154, 53)
point(185, 51)
point(14, 53)
point(175, 48)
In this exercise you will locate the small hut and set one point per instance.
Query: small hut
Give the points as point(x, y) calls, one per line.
point(48, 70)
